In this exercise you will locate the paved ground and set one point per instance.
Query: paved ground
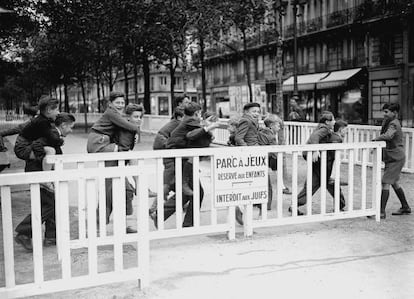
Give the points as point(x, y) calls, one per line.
point(355, 258)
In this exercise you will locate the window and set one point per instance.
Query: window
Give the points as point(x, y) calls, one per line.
point(163, 105)
point(386, 50)
point(163, 80)
point(152, 83)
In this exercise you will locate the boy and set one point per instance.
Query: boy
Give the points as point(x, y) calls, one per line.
point(393, 157)
point(125, 140)
point(188, 134)
point(40, 127)
point(322, 134)
point(267, 136)
point(64, 123)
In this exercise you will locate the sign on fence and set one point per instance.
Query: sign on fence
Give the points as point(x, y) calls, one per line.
point(240, 178)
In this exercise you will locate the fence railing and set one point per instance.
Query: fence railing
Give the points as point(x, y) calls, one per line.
point(79, 185)
point(297, 133)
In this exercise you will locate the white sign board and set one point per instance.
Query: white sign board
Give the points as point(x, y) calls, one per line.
point(240, 177)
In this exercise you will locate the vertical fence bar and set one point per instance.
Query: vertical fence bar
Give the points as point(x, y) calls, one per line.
point(279, 191)
point(351, 162)
point(213, 210)
point(295, 183)
point(364, 179)
point(81, 204)
point(178, 192)
point(323, 181)
point(412, 151)
point(337, 180)
point(64, 214)
point(309, 183)
point(377, 163)
point(118, 211)
point(407, 150)
point(196, 191)
point(102, 201)
point(160, 198)
point(91, 210)
point(37, 233)
point(58, 167)
point(143, 247)
point(6, 216)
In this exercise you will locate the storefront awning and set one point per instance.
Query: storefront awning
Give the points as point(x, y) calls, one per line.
point(336, 79)
point(305, 82)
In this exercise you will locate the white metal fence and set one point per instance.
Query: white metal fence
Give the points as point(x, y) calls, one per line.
point(79, 182)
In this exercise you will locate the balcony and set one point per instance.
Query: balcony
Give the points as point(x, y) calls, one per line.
point(382, 8)
point(314, 25)
point(349, 62)
point(321, 67)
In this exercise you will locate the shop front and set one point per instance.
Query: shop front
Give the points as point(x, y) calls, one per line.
point(342, 92)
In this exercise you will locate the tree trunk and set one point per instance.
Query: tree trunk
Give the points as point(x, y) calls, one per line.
point(110, 78)
point(65, 89)
point(279, 71)
point(60, 97)
point(172, 83)
point(135, 82)
point(247, 66)
point(126, 83)
point(147, 75)
point(85, 107)
point(203, 73)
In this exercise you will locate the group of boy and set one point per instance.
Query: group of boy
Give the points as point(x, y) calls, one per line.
point(41, 136)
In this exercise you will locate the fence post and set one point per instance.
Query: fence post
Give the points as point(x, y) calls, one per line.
point(143, 231)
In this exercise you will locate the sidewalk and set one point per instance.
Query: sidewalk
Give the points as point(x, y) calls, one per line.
point(356, 258)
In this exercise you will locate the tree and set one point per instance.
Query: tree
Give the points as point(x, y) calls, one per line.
point(246, 16)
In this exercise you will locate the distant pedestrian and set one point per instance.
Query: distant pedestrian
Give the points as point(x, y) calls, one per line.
point(393, 157)
point(295, 111)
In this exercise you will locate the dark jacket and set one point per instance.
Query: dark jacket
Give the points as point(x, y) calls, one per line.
point(111, 119)
point(247, 130)
point(392, 134)
point(41, 127)
point(188, 134)
point(124, 139)
point(267, 137)
point(322, 134)
point(164, 133)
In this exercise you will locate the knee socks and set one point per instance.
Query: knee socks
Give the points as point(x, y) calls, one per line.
point(401, 197)
point(384, 198)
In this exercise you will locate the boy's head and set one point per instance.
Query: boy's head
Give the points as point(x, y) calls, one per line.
point(327, 118)
point(117, 100)
point(252, 109)
point(29, 110)
point(178, 113)
point(340, 127)
point(65, 122)
point(134, 112)
point(193, 109)
point(391, 110)
point(273, 122)
point(182, 101)
point(49, 107)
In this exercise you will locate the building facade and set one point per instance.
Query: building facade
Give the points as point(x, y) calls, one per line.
point(352, 57)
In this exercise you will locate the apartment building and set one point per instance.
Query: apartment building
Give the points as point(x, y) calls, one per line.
point(352, 57)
